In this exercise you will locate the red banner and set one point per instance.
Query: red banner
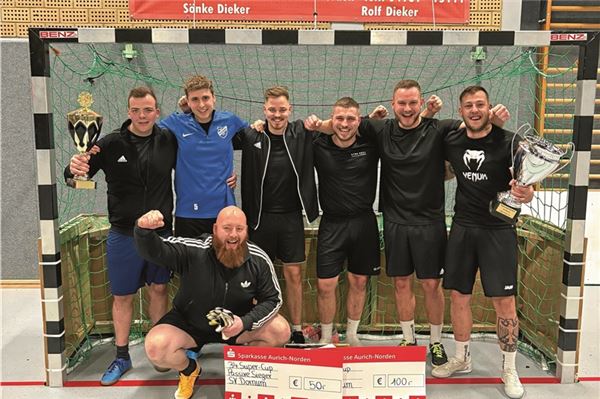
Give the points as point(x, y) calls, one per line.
point(399, 11)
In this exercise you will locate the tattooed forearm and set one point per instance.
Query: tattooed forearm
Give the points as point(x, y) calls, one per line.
point(508, 334)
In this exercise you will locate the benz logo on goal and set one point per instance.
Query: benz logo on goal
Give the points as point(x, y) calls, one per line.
point(58, 34)
point(568, 37)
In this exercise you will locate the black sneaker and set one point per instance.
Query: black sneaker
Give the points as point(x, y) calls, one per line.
point(438, 354)
point(406, 343)
point(297, 337)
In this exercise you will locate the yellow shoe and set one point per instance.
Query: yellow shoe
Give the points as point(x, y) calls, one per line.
point(185, 389)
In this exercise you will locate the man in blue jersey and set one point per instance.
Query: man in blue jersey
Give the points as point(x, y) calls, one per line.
point(204, 158)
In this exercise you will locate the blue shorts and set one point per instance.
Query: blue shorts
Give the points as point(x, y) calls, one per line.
point(127, 270)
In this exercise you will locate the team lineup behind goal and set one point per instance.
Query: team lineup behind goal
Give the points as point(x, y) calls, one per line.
point(318, 67)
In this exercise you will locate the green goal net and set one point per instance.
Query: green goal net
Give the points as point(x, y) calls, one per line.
point(316, 77)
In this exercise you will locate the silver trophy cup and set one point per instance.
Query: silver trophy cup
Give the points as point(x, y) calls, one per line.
point(533, 161)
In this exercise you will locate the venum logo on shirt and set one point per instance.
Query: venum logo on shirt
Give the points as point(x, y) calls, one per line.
point(473, 159)
point(222, 131)
point(358, 154)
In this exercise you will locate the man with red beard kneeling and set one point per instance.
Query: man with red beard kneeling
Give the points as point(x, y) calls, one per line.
point(222, 270)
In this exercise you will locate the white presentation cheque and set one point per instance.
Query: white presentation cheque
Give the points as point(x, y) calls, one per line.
point(346, 373)
point(384, 372)
point(275, 373)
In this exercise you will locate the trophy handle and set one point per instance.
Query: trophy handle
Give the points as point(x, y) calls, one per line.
point(570, 158)
point(526, 127)
point(521, 132)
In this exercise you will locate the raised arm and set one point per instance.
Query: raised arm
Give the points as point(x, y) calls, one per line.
point(164, 252)
point(183, 105)
point(379, 112)
point(499, 115)
point(313, 122)
point(432, 106)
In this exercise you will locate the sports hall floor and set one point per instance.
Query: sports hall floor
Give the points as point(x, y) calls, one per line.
point(22, 367)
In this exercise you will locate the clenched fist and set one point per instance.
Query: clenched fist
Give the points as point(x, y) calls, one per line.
point(259, 125)
point(499, 115)
point(523, 194)
point(151, 220)
point(183, 105)
point(379, 112)
point(79, 164)
point(434, 104)
point(313, 123)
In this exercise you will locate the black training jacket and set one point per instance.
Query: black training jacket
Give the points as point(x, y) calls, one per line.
point(255, 148)
point(132, 192)
point(205, 283)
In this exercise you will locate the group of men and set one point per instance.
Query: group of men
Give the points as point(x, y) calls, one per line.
point(220, 268)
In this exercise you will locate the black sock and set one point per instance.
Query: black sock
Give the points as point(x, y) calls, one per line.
point(123, 352)
point(190, 368)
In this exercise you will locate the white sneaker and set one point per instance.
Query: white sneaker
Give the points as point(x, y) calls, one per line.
point(512, 385)
point(353, 340)
point(453, 366)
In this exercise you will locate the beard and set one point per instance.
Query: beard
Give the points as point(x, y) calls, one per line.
point(345, 136)
point(412, 121)
point(485, 123)
point(230, 258)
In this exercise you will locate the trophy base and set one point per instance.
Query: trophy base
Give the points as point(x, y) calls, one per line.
point(81, 184)
point(505, 212)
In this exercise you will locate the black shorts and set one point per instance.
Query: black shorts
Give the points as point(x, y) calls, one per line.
point(174, 318)
point(493, 251)
point(415, 248)
point(353, 238)
point(193, 228)
point(281, 235)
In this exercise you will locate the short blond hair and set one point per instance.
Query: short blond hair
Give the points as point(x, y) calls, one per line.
point(277, 91)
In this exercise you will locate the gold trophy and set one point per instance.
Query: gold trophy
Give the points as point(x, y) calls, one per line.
point(84, 127)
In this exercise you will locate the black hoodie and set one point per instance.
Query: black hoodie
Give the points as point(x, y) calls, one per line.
point(131, 191)
point(255, 148)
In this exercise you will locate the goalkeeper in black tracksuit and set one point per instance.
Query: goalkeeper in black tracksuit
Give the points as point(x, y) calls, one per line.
point(222, 270)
